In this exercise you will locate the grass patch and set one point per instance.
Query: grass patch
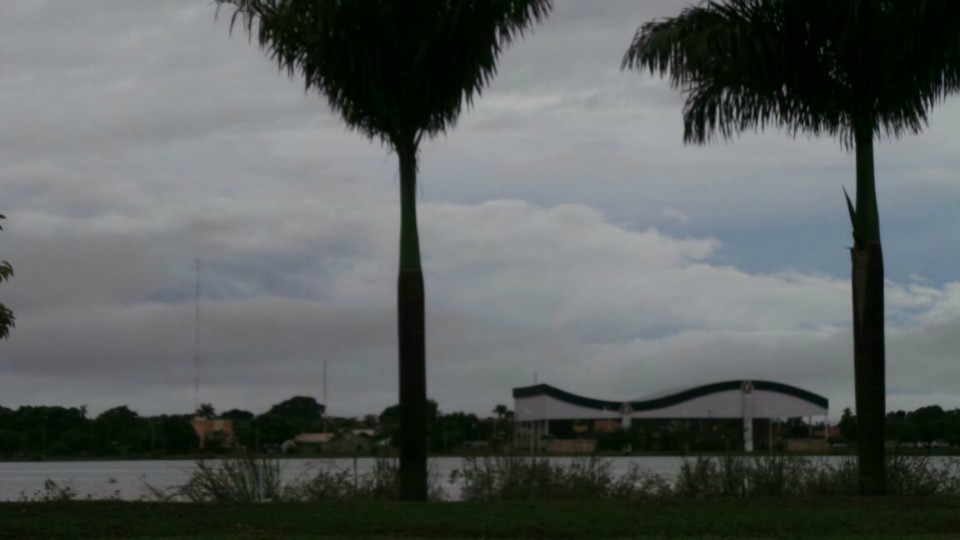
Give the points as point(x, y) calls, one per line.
point(257, 479)
point(515, 478)
point(840, 518)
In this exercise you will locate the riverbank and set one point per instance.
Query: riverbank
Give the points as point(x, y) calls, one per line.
point(838, 518)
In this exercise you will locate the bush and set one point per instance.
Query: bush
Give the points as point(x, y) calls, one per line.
point(826, 478)
point(245, 479)
point(918, 476)
point(797, 476)
point(52, 492)
point(330, 482)
point(257, 479)
point(511, 478)
point(508, 478)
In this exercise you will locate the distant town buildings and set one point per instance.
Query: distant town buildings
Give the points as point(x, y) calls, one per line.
point(214, 430)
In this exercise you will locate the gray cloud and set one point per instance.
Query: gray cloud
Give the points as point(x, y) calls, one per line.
point(566, 229)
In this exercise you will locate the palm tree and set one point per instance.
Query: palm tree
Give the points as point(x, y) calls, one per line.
point(6, 316)
point(855, 69)
point(205, 410)
point(395, 71)
point(502, 412)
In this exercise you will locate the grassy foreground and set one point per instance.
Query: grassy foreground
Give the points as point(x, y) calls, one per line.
point(914, 518)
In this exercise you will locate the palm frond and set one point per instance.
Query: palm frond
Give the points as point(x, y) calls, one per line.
point(391, 69)
point(809, 66)
point(6, 316)
point(7, 321)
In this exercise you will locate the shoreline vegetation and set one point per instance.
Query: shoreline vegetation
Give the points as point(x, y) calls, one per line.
point(731, 497)
point(512, 478)
point(258, 479)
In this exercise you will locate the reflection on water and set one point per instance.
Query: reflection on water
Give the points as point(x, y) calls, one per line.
point(128, 479)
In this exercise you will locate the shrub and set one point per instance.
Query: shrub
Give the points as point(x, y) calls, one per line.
point(245, 479)
point(507, 478)
point(52, 492)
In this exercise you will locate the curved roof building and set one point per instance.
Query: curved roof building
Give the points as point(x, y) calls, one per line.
point(729, 399)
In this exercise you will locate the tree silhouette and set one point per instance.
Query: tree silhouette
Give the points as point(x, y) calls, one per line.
point(855, 69)
point(394, 71)
point(205, 410)
point(6, 315)
point(300, 408)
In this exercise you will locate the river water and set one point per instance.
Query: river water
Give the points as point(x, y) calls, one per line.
point(129, 480)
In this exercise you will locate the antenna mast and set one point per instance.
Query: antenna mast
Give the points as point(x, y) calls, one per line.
point(196, 342)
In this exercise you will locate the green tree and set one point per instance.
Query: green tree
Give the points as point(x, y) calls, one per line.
point(243, 428)
point(273, 429)
point(395, 71)
point(205, 410)
point(502, 412)
point(855, 69)
point(119, 430)
point(900, 428)
point(175, 434)
point(42, 426)
point(450, 431)
point(6, 316)
point(953, 427)
point(301, 409)
point(13, 443)
point(848, 425)
point(931, 422)
point(238, 415)
point(388, 423)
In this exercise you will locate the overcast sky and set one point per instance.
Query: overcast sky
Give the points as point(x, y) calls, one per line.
point(566, 230)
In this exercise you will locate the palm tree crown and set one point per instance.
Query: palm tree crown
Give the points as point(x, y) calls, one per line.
point(391, 69)
point(816, 66)
point(6, 315)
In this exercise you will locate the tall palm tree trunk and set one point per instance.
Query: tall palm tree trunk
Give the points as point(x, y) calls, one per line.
point(412, 337)
point(868, 321)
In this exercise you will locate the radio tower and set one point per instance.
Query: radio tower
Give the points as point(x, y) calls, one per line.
point(196, 343)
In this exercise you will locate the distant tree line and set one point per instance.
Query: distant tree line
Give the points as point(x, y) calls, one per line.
point(35, 432)
point(53, 431)
point(927, 426)
point(452, 432)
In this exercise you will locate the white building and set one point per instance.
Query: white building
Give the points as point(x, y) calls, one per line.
point(535, 406)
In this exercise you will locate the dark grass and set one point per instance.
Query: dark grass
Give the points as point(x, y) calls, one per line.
point(891, 518)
